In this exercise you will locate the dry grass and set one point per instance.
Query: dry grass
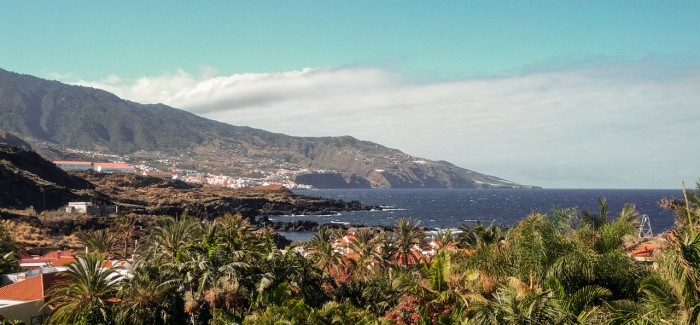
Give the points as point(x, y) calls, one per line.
point(27, 236)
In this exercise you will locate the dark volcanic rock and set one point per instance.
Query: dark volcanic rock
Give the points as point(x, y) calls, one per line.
point(28, 180)
point(147, 195)
point(11, 140)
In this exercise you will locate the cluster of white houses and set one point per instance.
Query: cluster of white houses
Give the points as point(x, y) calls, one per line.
point(100, 167)
point(106, 167)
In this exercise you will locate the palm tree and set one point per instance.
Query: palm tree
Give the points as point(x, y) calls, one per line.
point(407, 237)
point(535, 243)
point(581, 306)
point(321, 246)
point(124, 228)
point(445, 287)
point(444, 239)
point(84, 297)
point(98, 241)
point(596, 220)
point(516, 303)
point(149, 297)
point(170, 238)
point(369, 258)
point(387, 250)
point(477, 235)
point(8, 253)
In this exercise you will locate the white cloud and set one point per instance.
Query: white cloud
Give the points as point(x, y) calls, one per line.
point(614, 125)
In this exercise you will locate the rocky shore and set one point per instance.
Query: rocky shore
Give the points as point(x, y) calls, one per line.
point(152, 196)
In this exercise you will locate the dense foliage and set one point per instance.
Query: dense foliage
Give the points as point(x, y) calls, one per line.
point(556, 268)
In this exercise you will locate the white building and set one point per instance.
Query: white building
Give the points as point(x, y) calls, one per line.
point(113, 168)
point(82, 207)
point(74, 165)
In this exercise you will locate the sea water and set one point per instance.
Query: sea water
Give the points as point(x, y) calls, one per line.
point(451, 208)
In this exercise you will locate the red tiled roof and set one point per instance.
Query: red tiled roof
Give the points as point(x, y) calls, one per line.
point(644, 250)
point(63, 260)
point(57, 254)
point(113, 165)
point(63, 162)
point(46, 258)
point(31, 289)
point(114, 263)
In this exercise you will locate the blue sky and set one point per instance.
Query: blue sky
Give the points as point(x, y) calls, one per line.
point(551, 93)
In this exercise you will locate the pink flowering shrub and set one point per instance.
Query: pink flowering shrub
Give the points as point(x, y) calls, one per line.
point(406, 312)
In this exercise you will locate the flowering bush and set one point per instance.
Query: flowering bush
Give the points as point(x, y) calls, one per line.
point(406, 312)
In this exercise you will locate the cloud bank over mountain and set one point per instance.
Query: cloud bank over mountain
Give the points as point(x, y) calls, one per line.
point(602, 125)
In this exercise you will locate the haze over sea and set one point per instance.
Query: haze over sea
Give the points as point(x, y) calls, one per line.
point(451, 208)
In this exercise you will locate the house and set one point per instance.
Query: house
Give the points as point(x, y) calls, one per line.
point(90, 208)
point(26, 300)
point(100, 167)
point(342, 245)
point(82, 207)
point(108, 168)
point(74, 165)
point(37, 262)
point(11, 278)
point(643, 252)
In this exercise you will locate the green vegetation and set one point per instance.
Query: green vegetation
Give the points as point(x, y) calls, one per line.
point(555, 268)
point(8, 253)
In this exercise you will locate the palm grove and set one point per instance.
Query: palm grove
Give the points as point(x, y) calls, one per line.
point(562, 267)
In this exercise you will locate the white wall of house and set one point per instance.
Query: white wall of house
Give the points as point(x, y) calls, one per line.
point(30, 312)
point(74, 166)
point(109, 170)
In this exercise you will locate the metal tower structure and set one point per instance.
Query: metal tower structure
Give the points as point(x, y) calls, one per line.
point(645, 227)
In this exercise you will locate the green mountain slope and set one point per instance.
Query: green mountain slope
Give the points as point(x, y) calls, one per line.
point(64, 116)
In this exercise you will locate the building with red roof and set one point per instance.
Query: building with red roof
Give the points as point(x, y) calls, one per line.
point(644, 251)
point(74, 165)
point(35, 262)
point(26, 300)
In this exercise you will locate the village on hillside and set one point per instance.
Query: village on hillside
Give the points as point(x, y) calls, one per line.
point(281, 177)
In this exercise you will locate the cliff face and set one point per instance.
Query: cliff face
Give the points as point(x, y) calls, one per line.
point(333, 180)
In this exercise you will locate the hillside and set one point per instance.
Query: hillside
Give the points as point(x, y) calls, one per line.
point(31, 188)
point(54, 117)
point(27, 180)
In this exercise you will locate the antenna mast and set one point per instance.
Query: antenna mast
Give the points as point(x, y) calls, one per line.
point(645, 228)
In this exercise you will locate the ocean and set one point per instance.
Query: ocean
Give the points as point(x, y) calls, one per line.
point(451, 208)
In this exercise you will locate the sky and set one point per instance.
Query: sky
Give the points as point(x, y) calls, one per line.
point(559, 94)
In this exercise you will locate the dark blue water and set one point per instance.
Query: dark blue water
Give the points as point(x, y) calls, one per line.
point(455, 207)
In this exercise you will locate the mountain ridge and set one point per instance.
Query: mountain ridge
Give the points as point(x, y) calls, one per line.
point(57, 116)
